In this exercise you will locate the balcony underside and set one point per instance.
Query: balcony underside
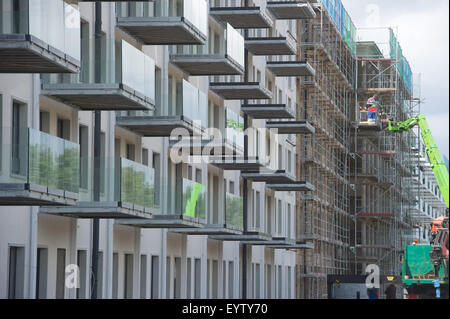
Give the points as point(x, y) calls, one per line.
point(283, 242)
point(212, 230)
point(246, 236)
point(197, 147)
point(98, 97)
point(102, 210)
point(268, 111)
point(240, 91)
point(291, 127)
point(23, 53)
point(290, 68)
point(207, 65)
point(161, 30)
point(279, 177)
point(291, 10)
point(291, 187)
point(236, 163)
point(296, 246)
point(23, 194)
point(164, 221)
point(155, 126)
point(269, 46)
point(242, 17)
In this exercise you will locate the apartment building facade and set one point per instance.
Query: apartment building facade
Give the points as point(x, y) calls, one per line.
point(167, 230)
point(189, 206)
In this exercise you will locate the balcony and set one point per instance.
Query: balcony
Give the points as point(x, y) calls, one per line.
point(229, 223)
point(32, 42)
point(187, 110)
point(278, 181)
point(127, 83)
point(217, 142)
point(271, 45)
point(38, 169)
point(127, 190)
point(291, 10)
point(186, 22)
point(290, 68)
point(263, 176)
point(208, 61)
point(185, 208)
point(290, 127)
point(240, 90)
point(236, 163)
point(242, 17)
point(268, 111)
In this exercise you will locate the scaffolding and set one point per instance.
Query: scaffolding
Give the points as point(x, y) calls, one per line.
point(384, 163)
point(326, 101)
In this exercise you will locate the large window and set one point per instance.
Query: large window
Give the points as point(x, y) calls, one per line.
point(16, 272)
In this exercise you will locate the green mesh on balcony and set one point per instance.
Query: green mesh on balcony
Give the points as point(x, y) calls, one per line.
point(194, 199)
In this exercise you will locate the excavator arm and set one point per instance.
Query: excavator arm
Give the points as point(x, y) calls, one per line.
point(437, 163)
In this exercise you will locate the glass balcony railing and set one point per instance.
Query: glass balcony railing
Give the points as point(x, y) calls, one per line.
point(54, 22)
point(129, 67)
point(121, 180)
point(234, 129)
point(193, 12)
point(234, 210)
point(137, 184)
point(41, 159)
point(230, 44)
point(187, 199)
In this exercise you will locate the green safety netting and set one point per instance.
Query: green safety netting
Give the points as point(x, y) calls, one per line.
point(342, 21)
point(402, 63)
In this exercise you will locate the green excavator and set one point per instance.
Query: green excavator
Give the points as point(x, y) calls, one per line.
point(425, 267)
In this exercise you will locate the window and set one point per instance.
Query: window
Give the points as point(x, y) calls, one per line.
point(279, 214)
point(168, 292)
point(44, 122)
point(131, 152)
point(128, 276)
point(215, 279)
point(102, 162)
point(197, 278)
point(230, 279)
point(63, 129)
point(231, 190)
point(60, 272)
point(268, 281)
point(188, 279)
point(41, 273)
point(100, 275)
point(143, 277)
point(115, 292)
point(19, 138)
point(177, 278)
point(279, 284)
point(145, 157)
point(82, 266)
point(16, 272)
point(84, 156)
point(155, 277)
point(157, 166)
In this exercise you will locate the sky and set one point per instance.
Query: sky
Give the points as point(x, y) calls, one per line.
point(422, 29)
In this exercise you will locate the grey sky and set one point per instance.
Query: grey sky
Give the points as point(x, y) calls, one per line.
point(422, 27)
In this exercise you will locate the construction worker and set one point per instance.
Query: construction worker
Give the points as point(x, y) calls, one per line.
point(371, 106)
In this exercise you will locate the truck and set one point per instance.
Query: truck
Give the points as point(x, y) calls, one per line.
point(425, 267)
